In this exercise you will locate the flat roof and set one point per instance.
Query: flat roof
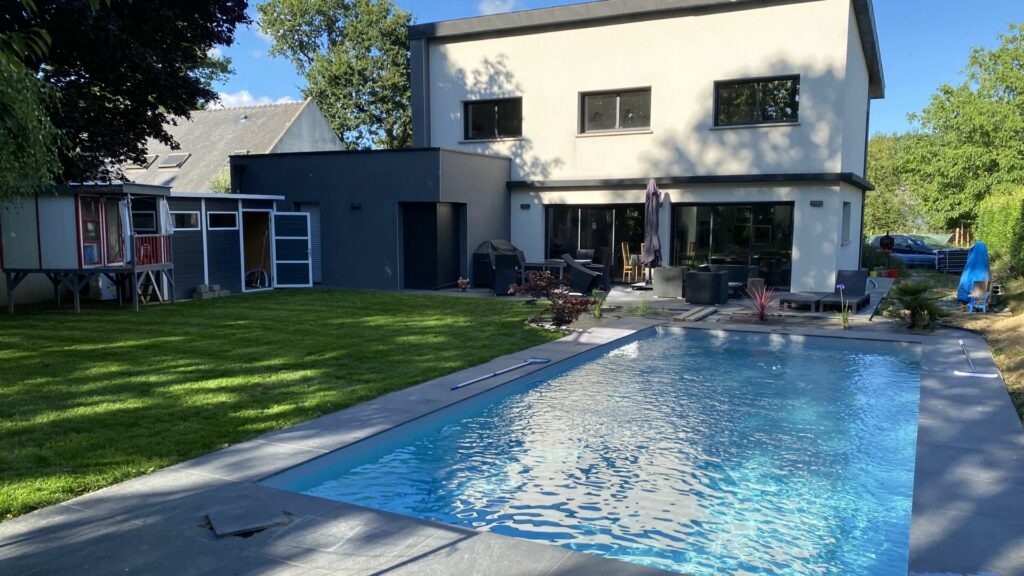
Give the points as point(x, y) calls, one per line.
point(621, 11)
point(224, 196)
point(114, 189)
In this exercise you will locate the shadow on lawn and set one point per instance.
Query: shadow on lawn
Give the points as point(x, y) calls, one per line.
point(91, 399)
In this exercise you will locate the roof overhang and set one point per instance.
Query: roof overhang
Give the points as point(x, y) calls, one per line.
point(774, 179)
point(624, 11)
point(114, 189)
point(222, 196)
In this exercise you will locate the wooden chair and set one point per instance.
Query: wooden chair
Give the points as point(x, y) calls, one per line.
point(629, 269)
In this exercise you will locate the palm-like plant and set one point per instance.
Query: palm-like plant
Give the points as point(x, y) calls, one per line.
point(917, 304)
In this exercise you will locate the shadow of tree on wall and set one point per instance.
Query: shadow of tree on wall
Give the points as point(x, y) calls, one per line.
point(813, 145)
point(493, 79)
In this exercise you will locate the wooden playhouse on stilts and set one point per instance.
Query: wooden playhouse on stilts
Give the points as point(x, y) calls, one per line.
point(120, 233)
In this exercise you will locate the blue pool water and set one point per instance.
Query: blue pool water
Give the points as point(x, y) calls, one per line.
point(702, 453)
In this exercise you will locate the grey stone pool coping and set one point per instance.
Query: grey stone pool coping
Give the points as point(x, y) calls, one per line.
point(968, 510)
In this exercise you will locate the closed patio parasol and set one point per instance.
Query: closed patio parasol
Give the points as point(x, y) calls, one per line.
point(651, 256)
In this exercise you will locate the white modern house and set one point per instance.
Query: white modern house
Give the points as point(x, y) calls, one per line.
point(752, 116)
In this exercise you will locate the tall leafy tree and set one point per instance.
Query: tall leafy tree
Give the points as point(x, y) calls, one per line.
point(354, 55)
point(891, 206)
point(121, 70)
point(971, 136)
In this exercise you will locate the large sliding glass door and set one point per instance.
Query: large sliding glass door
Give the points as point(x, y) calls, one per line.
point(753, 234)
point(602, 229)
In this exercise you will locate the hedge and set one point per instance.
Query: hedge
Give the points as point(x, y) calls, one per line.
point(1000, 225)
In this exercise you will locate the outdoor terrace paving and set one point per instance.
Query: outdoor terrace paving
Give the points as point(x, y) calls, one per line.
point(968, 514)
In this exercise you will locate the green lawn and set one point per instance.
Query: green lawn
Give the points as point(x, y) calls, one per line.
point(93, 399)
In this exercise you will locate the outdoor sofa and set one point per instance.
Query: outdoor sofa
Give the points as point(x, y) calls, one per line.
point(581, 278)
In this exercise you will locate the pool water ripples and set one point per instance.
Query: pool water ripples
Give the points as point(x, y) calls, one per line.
point(687, 451)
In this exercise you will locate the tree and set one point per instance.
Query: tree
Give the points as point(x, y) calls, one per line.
point(354, 55)
point(970, 137)
point(29, 142)
point(891, 206)
point(121, 70)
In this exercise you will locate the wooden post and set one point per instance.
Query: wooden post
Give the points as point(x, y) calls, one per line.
point(135, 290)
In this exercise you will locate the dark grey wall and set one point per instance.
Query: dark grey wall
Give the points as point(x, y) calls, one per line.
point(361, 248)
point(187, 248)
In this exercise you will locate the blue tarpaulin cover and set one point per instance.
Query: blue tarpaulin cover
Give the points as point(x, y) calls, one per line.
point(976, 270)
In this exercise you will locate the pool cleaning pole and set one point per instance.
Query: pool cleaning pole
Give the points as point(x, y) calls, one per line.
point(527, 362)
point(974, 371)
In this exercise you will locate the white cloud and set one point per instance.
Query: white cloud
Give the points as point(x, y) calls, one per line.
point(496, 6)
point(245, 98)
point(215, 52)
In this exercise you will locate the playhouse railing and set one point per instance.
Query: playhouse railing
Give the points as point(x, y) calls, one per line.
point(152, 249)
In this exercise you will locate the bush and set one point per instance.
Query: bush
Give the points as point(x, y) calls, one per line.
point(916, 304)
point(872, 258)
point(1000, 225)
point(564, 307)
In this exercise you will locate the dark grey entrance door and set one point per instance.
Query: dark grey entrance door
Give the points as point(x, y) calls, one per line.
point(431, 244)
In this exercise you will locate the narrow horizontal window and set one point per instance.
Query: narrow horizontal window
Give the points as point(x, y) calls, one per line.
point(757, 101)
point(610, 111)
point(222, 220)
point(186, 220)
point(144, 221)
point(493, 119)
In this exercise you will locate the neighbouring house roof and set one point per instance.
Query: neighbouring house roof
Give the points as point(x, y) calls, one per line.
point(208, 139)
point(617, 11)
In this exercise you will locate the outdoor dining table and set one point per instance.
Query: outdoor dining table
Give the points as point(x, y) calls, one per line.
point(554, 265)
point(804, 299)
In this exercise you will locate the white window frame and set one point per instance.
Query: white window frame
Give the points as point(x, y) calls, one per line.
point(212, 227)
point(199, 221)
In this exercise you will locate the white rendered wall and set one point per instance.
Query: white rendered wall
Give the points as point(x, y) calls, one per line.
point(816, 230)
point(849, 253)
point(680, 59)
point(855, 102)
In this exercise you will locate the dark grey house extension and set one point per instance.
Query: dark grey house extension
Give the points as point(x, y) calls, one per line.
point(386, 219)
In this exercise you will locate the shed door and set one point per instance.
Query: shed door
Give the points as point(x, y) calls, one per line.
point(293, 266)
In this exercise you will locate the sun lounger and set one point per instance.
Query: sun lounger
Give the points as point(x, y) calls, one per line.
point(854, 293)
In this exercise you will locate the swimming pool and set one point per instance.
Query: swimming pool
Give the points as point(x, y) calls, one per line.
point(692, 451)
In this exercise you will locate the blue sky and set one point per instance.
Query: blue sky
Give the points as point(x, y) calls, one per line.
point(924, 43)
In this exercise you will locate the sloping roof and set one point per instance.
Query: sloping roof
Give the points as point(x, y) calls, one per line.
point(209, 138)
point(617, 11)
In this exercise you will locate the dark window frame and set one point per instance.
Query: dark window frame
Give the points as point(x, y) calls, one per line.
point(466, 104)
point(755, 80)
point(582, 115)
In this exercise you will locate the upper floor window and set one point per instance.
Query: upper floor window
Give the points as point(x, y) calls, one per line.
point(493, 119)
point(757, 101)
point(610, 111)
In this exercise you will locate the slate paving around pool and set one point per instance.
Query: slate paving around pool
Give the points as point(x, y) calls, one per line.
point(968, 515)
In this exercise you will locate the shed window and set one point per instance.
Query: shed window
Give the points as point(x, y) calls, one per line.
point(757, 101)
point(101, 231)
point(222, 220)
point(144, 221)
point(186, 220)
point(493, 119)
point(610, 111)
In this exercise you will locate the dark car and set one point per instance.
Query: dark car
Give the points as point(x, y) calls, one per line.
point(911, 251)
